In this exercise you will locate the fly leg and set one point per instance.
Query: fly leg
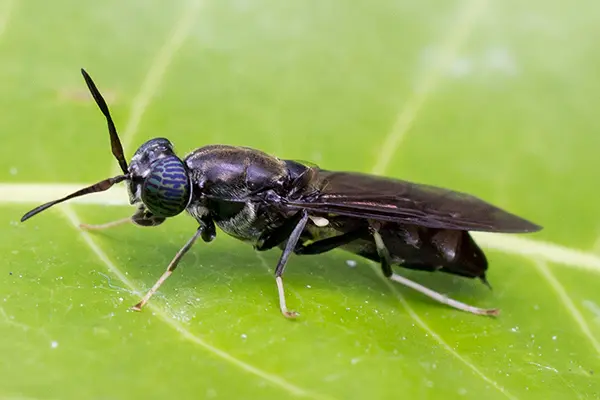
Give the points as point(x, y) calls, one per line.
point(325, 245)
point(287, 251)
point(207, 231)
point(112, 224)
point(281, 234)
point(291, 230)
point(142, 217)
point(384, 255)
point(169, 271)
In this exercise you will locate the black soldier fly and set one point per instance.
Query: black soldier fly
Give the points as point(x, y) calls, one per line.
point(301, 209)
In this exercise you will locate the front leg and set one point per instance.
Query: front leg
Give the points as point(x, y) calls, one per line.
point(170, 268)
point(209, 231)
point(101, 227)
point(142, 217)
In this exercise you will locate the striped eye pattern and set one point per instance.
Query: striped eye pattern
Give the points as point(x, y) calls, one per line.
point(166, 190)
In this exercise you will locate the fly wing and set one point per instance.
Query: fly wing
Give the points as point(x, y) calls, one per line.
point(385, 199)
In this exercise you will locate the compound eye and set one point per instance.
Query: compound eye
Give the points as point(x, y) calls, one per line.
point(166, 189)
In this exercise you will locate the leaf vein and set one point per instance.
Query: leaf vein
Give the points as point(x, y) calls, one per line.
point(225, 356)
point(5, 17)
point(158, 68)
point(437, 337)
point(560, 290)
point(428, 83)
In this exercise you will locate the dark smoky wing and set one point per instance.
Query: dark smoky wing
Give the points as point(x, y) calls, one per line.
point(385, 199)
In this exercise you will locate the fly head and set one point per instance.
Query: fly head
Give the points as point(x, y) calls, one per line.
point(156, 176)
point(159, 179)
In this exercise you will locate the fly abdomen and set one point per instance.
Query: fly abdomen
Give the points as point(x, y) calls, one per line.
point(425, 249)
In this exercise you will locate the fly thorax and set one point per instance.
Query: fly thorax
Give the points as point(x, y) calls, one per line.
point(231, 172)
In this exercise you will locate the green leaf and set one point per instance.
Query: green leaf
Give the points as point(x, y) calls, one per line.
point(488, 97)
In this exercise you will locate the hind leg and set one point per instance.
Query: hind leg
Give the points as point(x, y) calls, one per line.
point(386, 268)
